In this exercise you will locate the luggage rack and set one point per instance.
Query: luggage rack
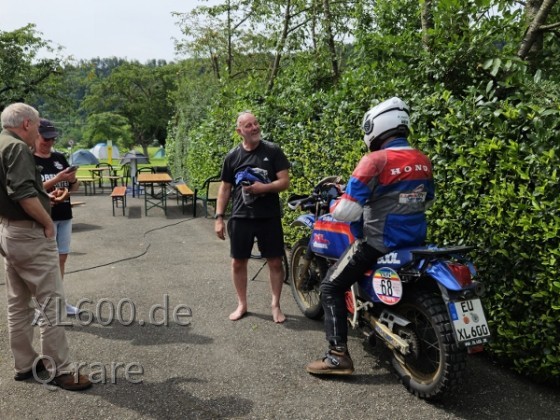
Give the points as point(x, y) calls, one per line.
point(436, 252)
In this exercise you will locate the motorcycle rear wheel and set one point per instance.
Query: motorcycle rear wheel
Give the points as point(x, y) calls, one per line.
point(436, 364)
point(305, 285)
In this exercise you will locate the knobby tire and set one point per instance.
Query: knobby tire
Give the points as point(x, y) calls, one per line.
point(437, 364)
point(305, 288)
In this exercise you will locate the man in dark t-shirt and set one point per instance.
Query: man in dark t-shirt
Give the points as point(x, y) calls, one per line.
point(253, 173)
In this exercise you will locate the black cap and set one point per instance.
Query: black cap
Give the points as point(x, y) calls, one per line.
point(47, 129)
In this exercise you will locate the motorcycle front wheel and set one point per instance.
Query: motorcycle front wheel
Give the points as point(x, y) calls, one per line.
point(435, 364)
point(306, 278)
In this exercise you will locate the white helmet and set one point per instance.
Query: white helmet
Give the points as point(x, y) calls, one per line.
point(387, 119)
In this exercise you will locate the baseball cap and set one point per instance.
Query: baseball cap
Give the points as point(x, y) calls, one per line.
point(47, 129)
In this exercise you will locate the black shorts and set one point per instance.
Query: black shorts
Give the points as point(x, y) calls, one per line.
point(269, 234)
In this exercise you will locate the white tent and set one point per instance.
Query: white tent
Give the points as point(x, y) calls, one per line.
point(100, 151)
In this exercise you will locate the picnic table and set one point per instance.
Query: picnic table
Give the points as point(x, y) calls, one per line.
point(159, 183)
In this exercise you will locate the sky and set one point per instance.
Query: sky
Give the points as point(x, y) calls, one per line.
point(132, 29)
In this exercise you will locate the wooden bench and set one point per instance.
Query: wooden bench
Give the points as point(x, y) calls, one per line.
point(114, 179)
point(118, 194)
point(185, 193)
point(88, 183)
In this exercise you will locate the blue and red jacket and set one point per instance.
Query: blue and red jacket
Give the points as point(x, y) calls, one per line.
point(391, 188)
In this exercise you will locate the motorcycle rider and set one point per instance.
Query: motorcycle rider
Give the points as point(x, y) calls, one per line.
point(391, 188)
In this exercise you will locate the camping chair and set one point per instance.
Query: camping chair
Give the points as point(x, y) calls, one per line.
point(209, 192)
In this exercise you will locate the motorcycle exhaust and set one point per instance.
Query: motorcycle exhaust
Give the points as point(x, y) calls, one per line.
point(393, 341)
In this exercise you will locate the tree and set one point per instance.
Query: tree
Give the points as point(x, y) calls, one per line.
point(216, 32)
point(140, 94)
point(536, 14)
point(252, 37)
point(22, 73)
point(107, 126)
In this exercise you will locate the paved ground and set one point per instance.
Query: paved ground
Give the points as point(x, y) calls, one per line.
point(214, 368)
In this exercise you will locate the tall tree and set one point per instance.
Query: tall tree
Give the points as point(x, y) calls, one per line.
point(217, 32)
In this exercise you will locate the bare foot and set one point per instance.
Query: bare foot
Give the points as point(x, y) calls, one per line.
point(278, 316)
point(238, 313)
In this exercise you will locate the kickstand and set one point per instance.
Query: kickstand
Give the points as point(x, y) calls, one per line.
point(258, 272)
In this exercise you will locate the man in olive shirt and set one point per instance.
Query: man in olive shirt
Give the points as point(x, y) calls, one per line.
point(30, 254)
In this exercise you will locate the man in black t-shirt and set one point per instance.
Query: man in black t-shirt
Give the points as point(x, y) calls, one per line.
point(253, 173)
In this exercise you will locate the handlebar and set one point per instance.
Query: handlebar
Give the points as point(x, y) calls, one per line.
point(304, 203)
point(326, 190)
point(336, 180)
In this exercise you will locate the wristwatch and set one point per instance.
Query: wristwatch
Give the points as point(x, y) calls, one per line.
point(218, 215)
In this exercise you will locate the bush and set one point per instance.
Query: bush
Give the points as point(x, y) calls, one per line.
point(496, 167)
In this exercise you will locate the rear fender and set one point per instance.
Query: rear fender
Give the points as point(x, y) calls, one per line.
point(440, 272)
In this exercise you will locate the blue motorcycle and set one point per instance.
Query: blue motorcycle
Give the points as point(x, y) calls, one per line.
point(423, 303)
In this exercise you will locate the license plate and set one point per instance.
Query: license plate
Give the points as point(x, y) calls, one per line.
point(469, 322)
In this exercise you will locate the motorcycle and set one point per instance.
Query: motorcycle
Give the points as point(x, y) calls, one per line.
point(423, 303)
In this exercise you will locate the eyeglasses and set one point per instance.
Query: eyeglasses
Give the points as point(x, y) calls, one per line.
point(47, 140)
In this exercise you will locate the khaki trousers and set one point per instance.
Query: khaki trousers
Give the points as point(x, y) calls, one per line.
point(32, 270)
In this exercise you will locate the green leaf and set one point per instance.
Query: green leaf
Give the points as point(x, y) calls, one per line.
point(496, 66)
point(538, 75)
